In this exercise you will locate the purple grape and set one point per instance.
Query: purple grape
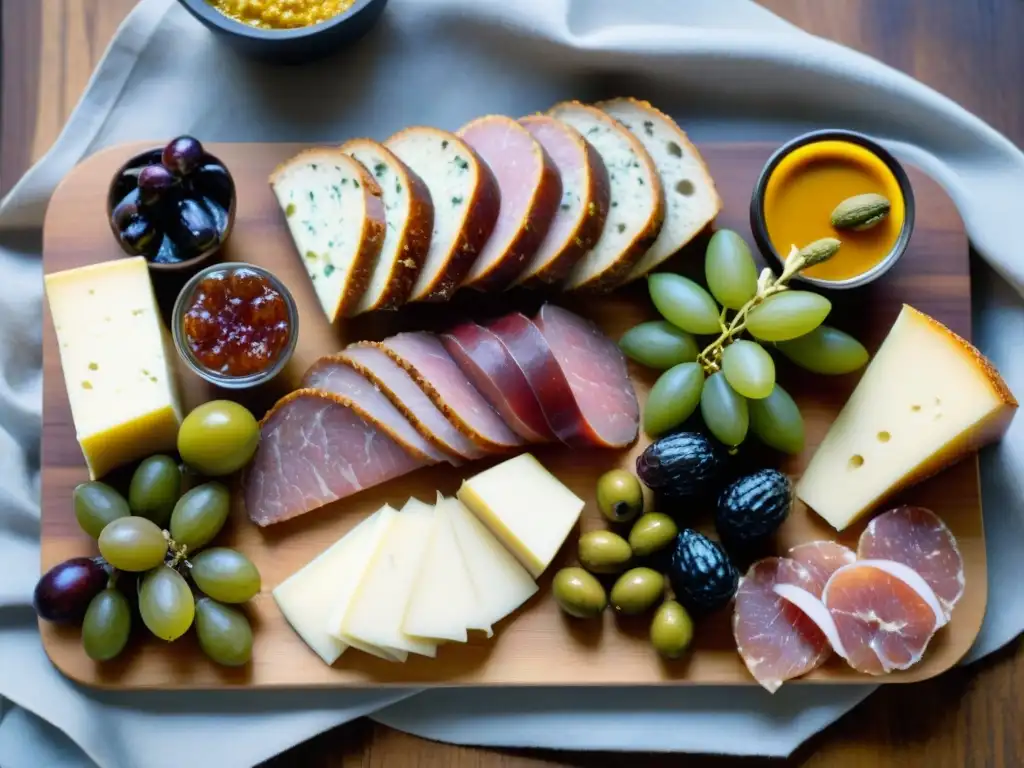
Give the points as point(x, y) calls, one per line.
point(155, 184)
point(193, 230)
point(183, 155)
point(64, 592)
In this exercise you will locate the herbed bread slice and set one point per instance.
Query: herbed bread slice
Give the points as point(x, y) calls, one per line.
point(530, 189)
point(466, 202)
point(583, 209)
point(691, 200)
point(637, 207)
point(410, 221)
point(336, 219)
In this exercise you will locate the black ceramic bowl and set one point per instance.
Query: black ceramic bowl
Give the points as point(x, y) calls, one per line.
point(291, 46)
point(759, 226)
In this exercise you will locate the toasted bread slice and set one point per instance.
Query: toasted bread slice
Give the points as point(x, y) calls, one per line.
point(336, 219)
point(691, 200)
point(530, 189)
point(410, 220)
point(637, 207)
point(466, 202)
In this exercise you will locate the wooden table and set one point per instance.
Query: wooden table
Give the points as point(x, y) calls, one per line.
point(970, 51)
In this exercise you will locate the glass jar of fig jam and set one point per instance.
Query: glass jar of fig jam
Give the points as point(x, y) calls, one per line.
point(235, 325)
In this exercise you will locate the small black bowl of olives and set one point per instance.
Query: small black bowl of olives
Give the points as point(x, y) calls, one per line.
point(174, 205)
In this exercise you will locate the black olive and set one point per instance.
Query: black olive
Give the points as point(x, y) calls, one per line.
point(192, 229)
point(220, 216)
point(701, 574)
point(684, 465)
point(126, 210)
point(167, 253)
point(753, 507)
point(140, 234)
point(213, 180)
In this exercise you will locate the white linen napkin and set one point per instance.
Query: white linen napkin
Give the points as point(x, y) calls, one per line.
point(726, 69)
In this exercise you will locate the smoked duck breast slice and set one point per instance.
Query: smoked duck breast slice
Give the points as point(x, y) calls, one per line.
point(316, 448)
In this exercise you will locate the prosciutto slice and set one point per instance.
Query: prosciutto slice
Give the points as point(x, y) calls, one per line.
point(822, 559)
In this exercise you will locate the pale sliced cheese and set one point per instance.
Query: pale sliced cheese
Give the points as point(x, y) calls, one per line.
point(325, 584)
point(378, 606)
point(443, 603)
point(926, 399)
point(500, 582)
point(526, 507)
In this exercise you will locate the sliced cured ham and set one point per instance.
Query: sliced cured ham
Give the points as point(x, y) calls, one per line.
point(918, 538)
point(581, 214)
point(424, 358)
point(530, 189)
point(398, 386)
point(331, 374)
point(822, 559)
point(596, 371)
point(316, 448)
point(775, 639)
point(884, 612)
point(490, 367)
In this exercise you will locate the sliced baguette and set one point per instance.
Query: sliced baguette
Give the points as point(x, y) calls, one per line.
point(466, 202)
point(637, 207)
point(530, 189)
point(691, 200)
point(583, 209)
point(410, 220)
point(336, 219)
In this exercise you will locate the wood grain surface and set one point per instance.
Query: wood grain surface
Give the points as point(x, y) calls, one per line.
point(969, 51)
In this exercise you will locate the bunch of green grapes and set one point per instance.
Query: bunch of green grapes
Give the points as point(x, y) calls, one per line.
point(732, 380)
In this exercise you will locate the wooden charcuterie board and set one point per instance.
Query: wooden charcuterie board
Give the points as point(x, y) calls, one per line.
point(537, 644)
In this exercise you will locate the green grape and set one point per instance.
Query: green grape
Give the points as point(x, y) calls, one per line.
point(659, 345)
point(166, 603)
point(225, 575)
point(155, 487)
point(107, 625)
point(730, 269)
point(199, 515)
point(777, 422)
point(787, 315)
point(748, 369)
point(97, 504)
point(673, 398)
point(224, 633)
point(133, 544)
point(724, 411)
point(684, 303)
point(826, 350)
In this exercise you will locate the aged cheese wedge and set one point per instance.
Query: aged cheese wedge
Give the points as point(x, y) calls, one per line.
point(525, 507)
point(927, 399)
point(499, 582)
point(375, 614)
point(114, 351)
point(443, 603)
point(324, 587)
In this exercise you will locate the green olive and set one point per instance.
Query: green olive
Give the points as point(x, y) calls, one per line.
point(652, 532)
point(604, 552)
point(637, 590)
point(155, 489)
point(619, 496)
point(218, 438)
point(97, 504)
point(671, 630)
point(578, 593)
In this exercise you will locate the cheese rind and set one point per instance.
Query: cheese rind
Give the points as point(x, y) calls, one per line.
point(926, 399)
point(117, 361)
point(526, 507)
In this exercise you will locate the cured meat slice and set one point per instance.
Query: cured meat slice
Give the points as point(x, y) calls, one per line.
point(409, 213)
point(316, 448)
point(775, 639)
point(530, 190)
point(884, 612)
point(918, 538)
point(424, 358)
point(596, 371)
point(407, 397)
point(490, 367)
point(822, 559)
point(330, 374)
point(452, 172)
point(815, 610)
point(581, 215)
